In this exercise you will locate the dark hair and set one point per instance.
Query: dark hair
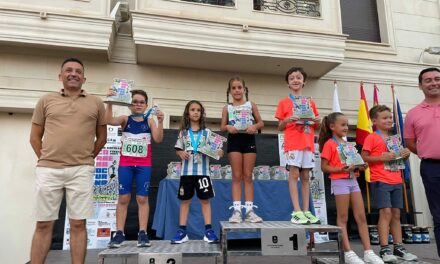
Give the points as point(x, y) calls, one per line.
point(425, 71)
point(185, 123)
point(375, 110)
point(295, 69)
point(237, 78)
point(141, 92)
point(72, 60)
point(325, 133)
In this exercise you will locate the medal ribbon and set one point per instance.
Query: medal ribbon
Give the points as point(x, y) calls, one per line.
point(194, 142)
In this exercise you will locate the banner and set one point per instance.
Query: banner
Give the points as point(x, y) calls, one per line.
point(105, 194)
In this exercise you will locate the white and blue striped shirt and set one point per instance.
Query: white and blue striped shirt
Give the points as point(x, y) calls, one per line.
point(189, 167)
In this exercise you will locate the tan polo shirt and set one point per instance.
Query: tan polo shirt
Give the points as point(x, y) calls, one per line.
point(69, 128)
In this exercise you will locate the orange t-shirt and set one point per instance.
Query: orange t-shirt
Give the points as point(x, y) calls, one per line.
point(375, 144)
point(330, 153)
point(294, 136)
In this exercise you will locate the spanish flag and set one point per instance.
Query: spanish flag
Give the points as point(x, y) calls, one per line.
point(363, 128)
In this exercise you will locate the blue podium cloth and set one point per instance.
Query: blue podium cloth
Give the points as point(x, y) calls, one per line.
point(271, 196)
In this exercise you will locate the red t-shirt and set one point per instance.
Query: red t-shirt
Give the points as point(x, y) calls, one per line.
point(375, 144)
point(294, 136)
point(330, 153)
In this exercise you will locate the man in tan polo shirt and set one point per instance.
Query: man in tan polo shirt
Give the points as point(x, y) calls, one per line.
point(68, 131)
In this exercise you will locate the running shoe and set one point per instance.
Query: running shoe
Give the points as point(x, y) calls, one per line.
point(252, 217)
point(117, 240)
point(299, 218)
point(210, 236)
point(143, 240)
point(312, 219)
point(180, 237)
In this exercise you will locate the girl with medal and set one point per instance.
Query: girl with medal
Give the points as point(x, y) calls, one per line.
point(345, 188)
point(241, 120)
point(135, 162)
point(386, 183)
point(195, 171)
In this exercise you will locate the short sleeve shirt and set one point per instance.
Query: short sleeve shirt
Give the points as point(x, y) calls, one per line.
point(375, 145)
point(294, 136)
point(422, 123)
point(191, 167)
point(70, 124)
point(330, 153)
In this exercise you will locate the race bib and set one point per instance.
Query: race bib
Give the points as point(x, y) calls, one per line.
point(135, 147)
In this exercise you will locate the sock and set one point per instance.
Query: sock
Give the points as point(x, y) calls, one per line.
point(385, 247)
point(237, 205)
point(208, 227)
point(142, 231)
point(398, 245)
point(183, 227)
point(248, 205)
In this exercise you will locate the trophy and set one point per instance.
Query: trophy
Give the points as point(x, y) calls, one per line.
point(122, 88)
point(394, 145)
point(211, 145)
point(215, 170)
point(350, 155)
point(302, 108)
point(174, 170)
point(241, 118)
point(261, 173)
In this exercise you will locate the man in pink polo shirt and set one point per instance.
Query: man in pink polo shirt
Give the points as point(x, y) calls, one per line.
point(422, 126)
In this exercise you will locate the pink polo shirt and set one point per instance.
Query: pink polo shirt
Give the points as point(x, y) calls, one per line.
point(422, 123)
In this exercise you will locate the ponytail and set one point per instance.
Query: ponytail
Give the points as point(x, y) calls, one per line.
point(325, 133)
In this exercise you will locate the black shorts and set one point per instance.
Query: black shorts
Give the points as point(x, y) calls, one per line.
point(202, 185)
point(241, 142)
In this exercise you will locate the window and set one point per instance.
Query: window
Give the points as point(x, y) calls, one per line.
point(360, 20)
point(213, 2)
point(295, 7)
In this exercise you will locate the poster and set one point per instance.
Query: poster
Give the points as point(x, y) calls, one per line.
point(105, 194)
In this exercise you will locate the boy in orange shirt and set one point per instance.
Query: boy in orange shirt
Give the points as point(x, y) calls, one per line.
point(386, 184)
point(299, 145)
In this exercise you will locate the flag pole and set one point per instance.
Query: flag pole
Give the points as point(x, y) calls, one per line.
point(367, 184)
point(396, 123)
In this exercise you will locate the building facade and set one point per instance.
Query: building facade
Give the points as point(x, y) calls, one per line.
point(178, 50)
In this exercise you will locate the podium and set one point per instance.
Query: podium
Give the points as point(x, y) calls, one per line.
point(159, 248)
point(280, 238)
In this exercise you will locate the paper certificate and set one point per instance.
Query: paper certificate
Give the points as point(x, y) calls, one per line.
point(122, 87)
point(211, 145)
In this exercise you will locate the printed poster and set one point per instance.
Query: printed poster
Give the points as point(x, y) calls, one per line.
point(105, 194)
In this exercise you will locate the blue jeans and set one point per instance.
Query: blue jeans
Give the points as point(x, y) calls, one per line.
point(430, 172)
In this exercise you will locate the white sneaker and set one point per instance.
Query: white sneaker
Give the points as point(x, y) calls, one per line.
point(370, 257)
point(352, 258)
point(252, 217)
point(387, 256)
point(401, 252)
point(235, 217)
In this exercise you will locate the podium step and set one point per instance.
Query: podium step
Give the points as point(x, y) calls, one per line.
point(336, 261)
point(192, 248)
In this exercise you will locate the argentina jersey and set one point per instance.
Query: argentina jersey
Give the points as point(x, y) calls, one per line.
point(192, 166)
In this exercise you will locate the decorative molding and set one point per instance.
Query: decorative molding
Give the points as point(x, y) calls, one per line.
point(51, 29)
point(375, 71)
point(149, 29)
point(209, 39)
point(123, 50)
